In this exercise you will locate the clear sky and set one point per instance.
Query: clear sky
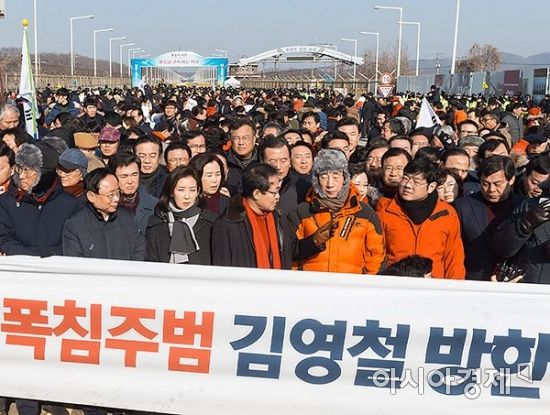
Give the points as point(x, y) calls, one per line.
point(248, 27)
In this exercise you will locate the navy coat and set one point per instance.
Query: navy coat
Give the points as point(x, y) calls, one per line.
point(30, 228)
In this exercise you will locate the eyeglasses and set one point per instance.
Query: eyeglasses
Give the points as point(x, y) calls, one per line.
point(198, 146)
point(111, 196)
point(416, 182)
point(25, 170)
point(63, 173)
point(177, 162)
point(484, 120)
point(274, 193)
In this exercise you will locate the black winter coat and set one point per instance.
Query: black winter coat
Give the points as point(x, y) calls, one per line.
point(235, 173)
point(232, 240)
point(29, 228)
point(526, 249)
point(154, 185)
point(88, 235)
point(158, 238)
point(480, 255)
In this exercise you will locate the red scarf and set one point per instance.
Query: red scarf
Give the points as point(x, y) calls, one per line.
point(39, 200)
point(264, 236)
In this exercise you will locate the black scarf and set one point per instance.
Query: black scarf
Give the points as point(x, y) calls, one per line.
point(183, 240)
point(419, 210)
point(148, 180)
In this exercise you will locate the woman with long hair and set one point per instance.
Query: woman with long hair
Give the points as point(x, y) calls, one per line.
point(179, 231)
point(211, 173)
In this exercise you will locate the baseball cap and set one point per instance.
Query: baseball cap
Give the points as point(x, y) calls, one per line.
point(109, 134)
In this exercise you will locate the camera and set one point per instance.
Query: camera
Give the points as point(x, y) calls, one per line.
point(506, 272)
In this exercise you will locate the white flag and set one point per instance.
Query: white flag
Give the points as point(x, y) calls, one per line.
point(427, 117)
point(26, 89)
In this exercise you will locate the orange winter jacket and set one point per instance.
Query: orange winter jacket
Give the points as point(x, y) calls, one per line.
point(358, 243)
point(437, 238)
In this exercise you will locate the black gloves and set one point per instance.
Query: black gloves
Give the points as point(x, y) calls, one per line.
point(535, 217)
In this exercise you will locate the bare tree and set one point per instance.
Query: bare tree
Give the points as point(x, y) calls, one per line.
point(387, 62)
point(480, 58)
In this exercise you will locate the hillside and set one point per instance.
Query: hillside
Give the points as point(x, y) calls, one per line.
point(52, 63)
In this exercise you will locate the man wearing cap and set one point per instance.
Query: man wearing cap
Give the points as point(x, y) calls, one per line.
point(470, 144)
point(109, 143)
point(537, 145)
point(34, 208)
point(346, 231)
point(87, 143)
point(72, 167)
point(514, 121)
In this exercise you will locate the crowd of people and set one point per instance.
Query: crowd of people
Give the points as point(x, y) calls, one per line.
point(281, 179)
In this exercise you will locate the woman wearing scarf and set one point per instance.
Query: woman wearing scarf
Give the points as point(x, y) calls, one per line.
point(209, 169)
point(355, 243)
point(179, 231)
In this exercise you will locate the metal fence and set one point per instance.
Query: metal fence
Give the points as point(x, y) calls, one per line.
point(10, 82)
point(357, 87)
point(534, 82)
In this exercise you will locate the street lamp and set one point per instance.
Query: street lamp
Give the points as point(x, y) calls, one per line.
point(354, 56)
point(131, 53)
point(120, 60)
point(377, 34)
point(417, 24)
point(453, 63)
point(111, 53)
point(71, 20)
point(95, 46)
point(400, 33)
point(222, 51)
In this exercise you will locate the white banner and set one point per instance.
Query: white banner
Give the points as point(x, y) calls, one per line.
point(427, 117)
point(26, 89)
point(209, 340)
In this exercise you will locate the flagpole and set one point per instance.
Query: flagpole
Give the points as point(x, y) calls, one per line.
point(26, 85)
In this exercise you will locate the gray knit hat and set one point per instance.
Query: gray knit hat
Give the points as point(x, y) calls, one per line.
point(470, 140)
point(327, 160)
